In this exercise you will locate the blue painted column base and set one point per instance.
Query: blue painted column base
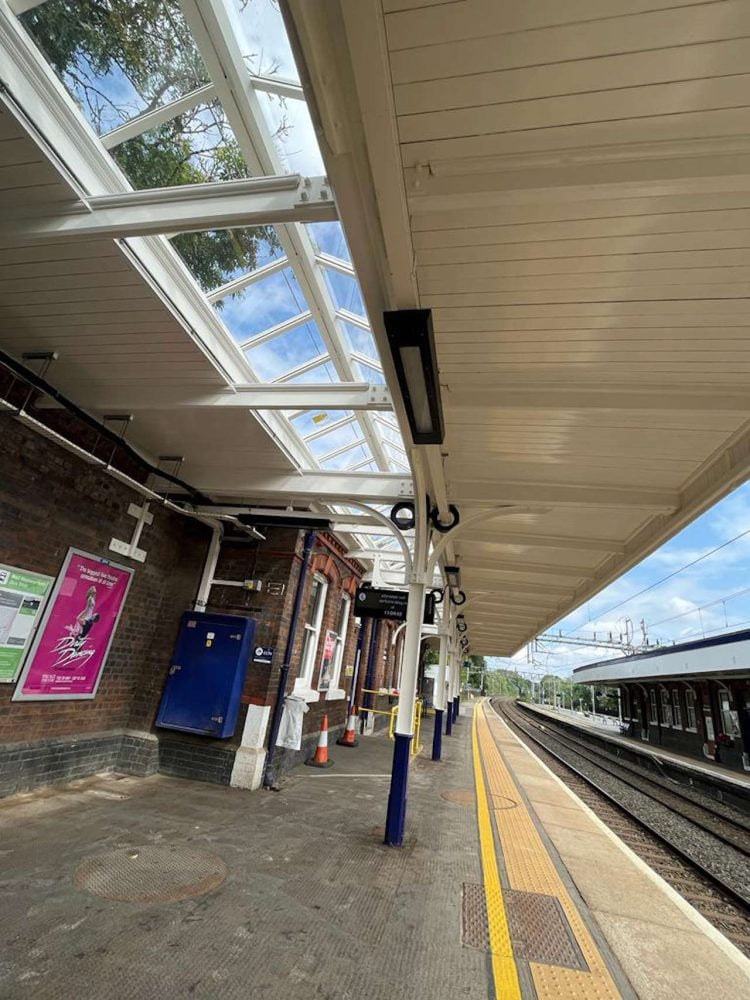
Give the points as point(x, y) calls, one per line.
point(395, 819)
point(437, 734)
point(454, 709)
point(458, 708)
point(448, 718)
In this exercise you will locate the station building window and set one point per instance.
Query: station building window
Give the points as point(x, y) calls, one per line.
point(666, 708)
point(313, 621)
point(692, 722)
point(625, 701)
point(653, 717)
point(338, 654)
point(729, 719)
point(676, 709)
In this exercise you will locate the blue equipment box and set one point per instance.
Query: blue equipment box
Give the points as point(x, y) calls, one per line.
point(207, 674)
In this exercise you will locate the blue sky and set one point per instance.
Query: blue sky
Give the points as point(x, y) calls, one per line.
point(676, 609)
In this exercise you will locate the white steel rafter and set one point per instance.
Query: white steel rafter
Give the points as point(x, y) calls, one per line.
point(215, 29)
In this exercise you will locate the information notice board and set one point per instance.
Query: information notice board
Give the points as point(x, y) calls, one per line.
point(23, 596)
point(72, 642)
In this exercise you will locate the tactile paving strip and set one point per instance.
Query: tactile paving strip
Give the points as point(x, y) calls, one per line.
point(540, 931)
point(530, 869)
point(475, 932)
point(151, 874)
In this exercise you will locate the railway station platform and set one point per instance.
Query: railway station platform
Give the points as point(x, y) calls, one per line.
point(715, 772)
point(507, 886)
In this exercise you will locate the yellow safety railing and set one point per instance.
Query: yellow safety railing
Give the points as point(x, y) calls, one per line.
point(419, 711)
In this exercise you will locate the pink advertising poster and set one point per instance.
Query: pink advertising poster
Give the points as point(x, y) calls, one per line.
point(73, 640)
point(324, 683)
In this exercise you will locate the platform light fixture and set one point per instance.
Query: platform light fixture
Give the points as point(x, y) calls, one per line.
point(453, 577)
point(412, 344)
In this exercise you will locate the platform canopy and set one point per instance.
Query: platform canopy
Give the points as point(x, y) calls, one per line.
point(206, 206)
point(167, 230)
point(567, 187)
point(719, 656)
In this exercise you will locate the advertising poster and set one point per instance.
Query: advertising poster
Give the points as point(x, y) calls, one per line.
point(22, 599)
point(71, 646)
point(329, 647)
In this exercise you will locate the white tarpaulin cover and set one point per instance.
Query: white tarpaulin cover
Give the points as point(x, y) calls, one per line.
point(290, 730)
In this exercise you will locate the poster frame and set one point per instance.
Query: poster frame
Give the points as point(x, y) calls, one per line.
point(18, 694)
point(49, 577)
point(326, 659)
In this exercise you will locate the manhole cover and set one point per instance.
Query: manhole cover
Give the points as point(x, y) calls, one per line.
point(461, 796)
point(151, 874)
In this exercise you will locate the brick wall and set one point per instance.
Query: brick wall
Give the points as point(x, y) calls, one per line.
point(51, 500)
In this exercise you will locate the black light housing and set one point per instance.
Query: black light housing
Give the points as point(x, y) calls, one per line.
point(412, 345)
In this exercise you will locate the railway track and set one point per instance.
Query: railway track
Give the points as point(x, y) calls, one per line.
point(700, 848)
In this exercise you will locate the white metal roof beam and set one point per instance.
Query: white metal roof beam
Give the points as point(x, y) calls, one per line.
point(375, 487)
point(327, 428)
point(159, 116)
point(335, 263)
point(354, 319)
point(338, 396)
point(245, 280)
point(342, 450)
point(278, 85)
point(277, 330)
point(301, 369)
point(256, 201)
point(213, 24)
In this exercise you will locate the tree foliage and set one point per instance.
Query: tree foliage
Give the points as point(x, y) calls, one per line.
point(121, 58)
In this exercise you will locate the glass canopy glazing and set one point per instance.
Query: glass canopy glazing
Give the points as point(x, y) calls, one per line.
point(286, 295)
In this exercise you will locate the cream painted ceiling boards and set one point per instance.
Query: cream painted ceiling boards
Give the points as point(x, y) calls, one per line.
point(567, 187)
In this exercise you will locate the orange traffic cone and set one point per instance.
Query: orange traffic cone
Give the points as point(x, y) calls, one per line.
point(320, 757)
point(348, 739)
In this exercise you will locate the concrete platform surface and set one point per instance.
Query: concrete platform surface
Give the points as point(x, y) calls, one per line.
point(137, 888)
point(313, 904)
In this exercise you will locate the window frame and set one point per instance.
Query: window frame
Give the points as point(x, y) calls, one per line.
point(676, 709)
point(342, 631)
point(311, 639)
point(690, 712)
point(653, 708)
point(666, 708)
point(728, 716)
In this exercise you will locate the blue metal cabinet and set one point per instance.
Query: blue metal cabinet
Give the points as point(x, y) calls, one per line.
point(207, 674)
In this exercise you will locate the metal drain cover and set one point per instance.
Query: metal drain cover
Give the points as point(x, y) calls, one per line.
point(151, 874)
point(475, 931)
point(462, 796)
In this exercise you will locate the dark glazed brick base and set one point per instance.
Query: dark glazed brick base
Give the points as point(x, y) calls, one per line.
point(184, 756)
point(26, 766)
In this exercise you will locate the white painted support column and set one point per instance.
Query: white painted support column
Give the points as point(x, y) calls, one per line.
point(209, 567)
point(412, 639)
point(439, 692)
point(250, 759)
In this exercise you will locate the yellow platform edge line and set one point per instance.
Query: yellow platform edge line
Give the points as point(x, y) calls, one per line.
point(504, 970)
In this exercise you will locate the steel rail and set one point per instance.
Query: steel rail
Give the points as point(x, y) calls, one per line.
point(736, 896)
point(635, 777)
